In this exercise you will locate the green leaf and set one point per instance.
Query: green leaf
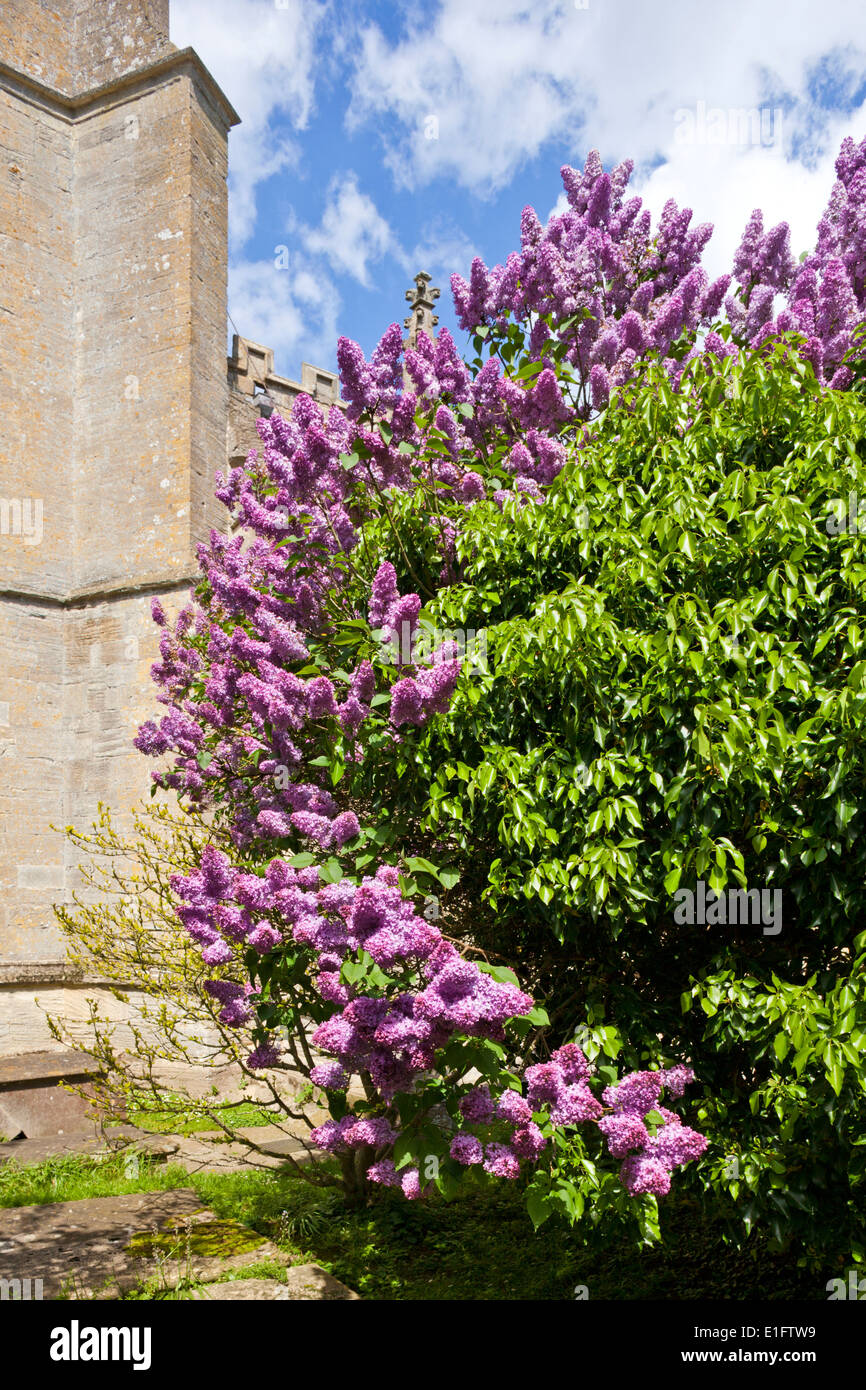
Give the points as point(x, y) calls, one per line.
point(538, 1205)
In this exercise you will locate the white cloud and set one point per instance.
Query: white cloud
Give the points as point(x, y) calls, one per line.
point(477, 93)
point(263, 57)
point(352, 233)
point(504, 80)
point(291, 308)
point(442, 250)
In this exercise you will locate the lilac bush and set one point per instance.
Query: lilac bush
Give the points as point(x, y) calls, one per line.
point(407, 995)
point(287, 679)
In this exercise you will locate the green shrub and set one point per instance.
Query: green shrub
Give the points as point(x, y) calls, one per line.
point(674, 693)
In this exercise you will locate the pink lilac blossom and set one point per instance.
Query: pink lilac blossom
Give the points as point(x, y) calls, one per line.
point(265, 1055)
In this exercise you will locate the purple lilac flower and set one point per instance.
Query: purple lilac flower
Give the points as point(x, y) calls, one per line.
point(528, 1141)
point(265, 1055)
point(642, 1173)
point(676, 1143)
point(466, 1149)
point(676, 1079)
point(500, 1161)
point(410, 1181)
point(637, 1093)
point(330, 1076)
point(384, 1172)
point(623, 1133)
point(512, 1106)
point(574, 1105)
point(477, 1106)
point(572, 1062)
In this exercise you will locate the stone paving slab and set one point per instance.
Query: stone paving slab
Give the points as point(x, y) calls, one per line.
point(101, 1246)
point(304, 1282)
point(207, 1151)
point(210, 1151)
point(26, 1068)
point(26, 1151)
point(200, 1156)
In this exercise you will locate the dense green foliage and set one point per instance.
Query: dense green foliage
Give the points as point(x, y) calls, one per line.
point(674, 691)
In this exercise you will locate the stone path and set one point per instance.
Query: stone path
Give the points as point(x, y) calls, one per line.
point(303, 1282)
point(102, 1246)
point(211, 1152)
point(90, 1144)
point(208, 1151)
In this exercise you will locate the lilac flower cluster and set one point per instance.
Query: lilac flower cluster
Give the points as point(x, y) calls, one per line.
point(390, 1039)
point(414, 699)
point(599, 277)
point(248, 687)
point(558, 1094)
point(648, 1160)
point(511, 1117)
point(826, 292)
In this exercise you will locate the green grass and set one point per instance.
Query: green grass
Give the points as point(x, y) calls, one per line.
point(173, 1121)
point(483, 1247)
point(72, 1177)
point(479, 1247)
point(168, 1122)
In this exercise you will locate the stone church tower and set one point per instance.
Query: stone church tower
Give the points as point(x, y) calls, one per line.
point(113, 256)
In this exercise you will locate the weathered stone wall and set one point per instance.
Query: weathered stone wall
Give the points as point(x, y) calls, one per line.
point(37, 259)
point(113, 238)
point(151, 295)
point(32, 785)
point(75, 45)
point(24, 1009)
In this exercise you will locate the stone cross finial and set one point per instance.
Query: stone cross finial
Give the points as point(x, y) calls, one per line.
point(422, 299)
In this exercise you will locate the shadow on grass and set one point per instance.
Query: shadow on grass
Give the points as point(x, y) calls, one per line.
point(478, 1247)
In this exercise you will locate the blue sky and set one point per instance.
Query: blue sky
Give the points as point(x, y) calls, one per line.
point(379, 139)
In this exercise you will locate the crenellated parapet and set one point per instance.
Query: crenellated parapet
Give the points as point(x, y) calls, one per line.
point(255, 390)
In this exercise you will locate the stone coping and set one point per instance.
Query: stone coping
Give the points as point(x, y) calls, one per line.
point(18, 974)
point(183, 58)
point(102, 592)
point(30, 1068)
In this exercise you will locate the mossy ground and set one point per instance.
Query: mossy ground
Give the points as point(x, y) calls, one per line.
point(198, 1239)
